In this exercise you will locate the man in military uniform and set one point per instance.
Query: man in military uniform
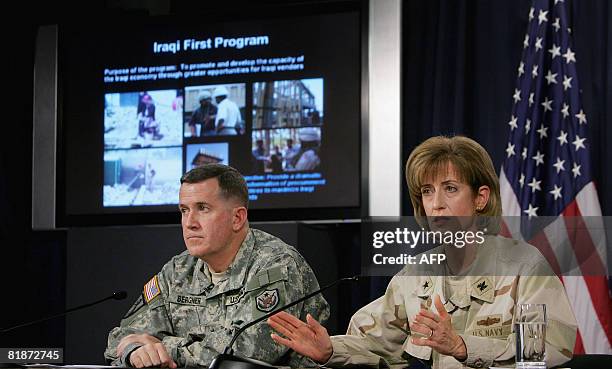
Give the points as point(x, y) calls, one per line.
point(229, 275)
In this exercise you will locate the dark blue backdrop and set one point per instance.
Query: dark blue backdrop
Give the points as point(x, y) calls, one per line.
point(459, 69)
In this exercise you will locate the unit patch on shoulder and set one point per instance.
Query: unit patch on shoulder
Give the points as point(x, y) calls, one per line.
point(267, 300)
point(151, 290)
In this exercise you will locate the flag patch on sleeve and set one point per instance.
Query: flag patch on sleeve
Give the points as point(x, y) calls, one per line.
point(151, 289)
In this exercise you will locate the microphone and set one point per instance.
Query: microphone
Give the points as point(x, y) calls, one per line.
point(119, 295)
point(227, 360)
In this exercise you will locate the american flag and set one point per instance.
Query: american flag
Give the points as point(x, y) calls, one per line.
point(151, 289)
point(546, 174)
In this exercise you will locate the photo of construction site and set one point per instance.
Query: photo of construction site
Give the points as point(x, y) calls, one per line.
point(215, 110)
point(208, 153)
point(142, 176)
point(143, 119)
point(286, 150)
point(283, 104)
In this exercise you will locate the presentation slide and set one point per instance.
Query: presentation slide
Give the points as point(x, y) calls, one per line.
point(278, 99)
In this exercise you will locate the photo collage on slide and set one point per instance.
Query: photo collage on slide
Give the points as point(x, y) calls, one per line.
point(143, 138)
point(213, 114)
point(152, 137)
point(148, 133)
point(287, 122)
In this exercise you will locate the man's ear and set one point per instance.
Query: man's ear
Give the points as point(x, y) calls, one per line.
point(239, 218)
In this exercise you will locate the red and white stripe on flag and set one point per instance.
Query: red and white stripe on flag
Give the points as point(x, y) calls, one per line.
point(588, 293)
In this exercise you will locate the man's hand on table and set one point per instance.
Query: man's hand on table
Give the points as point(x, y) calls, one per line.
point(151, 353)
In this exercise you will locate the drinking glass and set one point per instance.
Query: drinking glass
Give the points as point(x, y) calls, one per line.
point(530, 328)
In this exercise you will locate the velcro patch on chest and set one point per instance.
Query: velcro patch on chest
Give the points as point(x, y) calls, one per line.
point(267, 300)
point(233, 299)
point(490, 326)
point(187, 300)
point(489, 320)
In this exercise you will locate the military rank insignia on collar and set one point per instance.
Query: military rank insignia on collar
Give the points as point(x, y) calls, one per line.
point(151, 290)
point(483, 289)
point(267, 300)
point(482, 285)
point(425, 287)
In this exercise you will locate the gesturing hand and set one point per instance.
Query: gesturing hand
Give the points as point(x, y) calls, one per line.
point(307, 338)
point(151, 353)
point(438, 331)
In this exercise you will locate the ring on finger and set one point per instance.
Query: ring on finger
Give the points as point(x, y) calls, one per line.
point(430, 333)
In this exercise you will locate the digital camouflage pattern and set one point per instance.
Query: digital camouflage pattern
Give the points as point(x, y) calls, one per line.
point(195, 319)
point(481, 305)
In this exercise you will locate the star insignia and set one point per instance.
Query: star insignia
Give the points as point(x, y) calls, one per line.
point(531, 212)
point(555, 50)
point(539, 158)
point(556, 192)
point(513, 123)
point(482, 285)
point(576, 170)
point(579, 143)
point(565, 110)
point(567, 82)
point(562, 138)
point(569, 56)
point(535, 185)
point(559, 165)
point(557, 25)
point(551, 78)
point(510, 149)
point(581, 117)
point(542, 16)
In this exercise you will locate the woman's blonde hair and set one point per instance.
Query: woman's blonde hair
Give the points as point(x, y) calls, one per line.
point(472, 164)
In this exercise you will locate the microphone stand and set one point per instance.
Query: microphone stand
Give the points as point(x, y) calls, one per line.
point(119, 295)
point(227, 360)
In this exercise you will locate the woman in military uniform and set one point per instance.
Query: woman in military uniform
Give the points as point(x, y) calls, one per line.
point(461, 315)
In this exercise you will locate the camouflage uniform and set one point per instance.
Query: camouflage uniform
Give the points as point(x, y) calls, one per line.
point(195, 319)
point(481, 304)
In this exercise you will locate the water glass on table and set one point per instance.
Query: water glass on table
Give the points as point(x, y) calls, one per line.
point(530, 328)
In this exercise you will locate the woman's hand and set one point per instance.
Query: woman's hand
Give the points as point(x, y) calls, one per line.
point(438, 331)
point(307, 338)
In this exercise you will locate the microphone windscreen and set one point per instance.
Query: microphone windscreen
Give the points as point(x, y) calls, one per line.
point(119, 295)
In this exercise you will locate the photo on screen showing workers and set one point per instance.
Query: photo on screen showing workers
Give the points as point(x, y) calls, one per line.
point(286, 150)
point(142, 176)
point(282, 104)
point(143, 119)
point(208, 153)
point(215, 110)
